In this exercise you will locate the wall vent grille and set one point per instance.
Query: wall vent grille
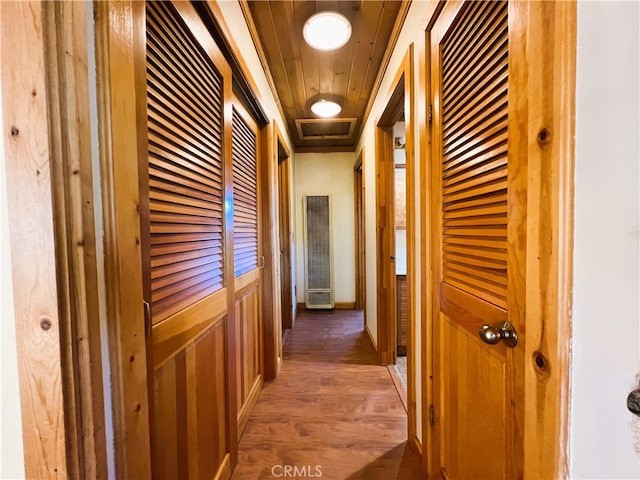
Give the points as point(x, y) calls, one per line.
point(318, 255)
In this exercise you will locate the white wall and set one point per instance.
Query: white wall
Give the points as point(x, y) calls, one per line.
point(604, 436)
point(329, 174)
point(11, 452)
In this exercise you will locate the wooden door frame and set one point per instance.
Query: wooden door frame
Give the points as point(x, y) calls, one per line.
point(284, 219)
point(270, 299)
point(401, 99)
point(547, 58)
point(118, 133)
point(272, 142)
point(360, 222)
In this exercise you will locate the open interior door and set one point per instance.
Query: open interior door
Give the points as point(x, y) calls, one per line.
point(479, 234)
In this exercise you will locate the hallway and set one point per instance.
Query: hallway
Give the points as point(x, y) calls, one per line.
point(333, 412)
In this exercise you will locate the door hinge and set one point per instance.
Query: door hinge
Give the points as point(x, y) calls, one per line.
point(429, 113)
point(147, 318)
point(432, 415)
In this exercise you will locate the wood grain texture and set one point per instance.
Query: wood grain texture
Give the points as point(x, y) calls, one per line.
point(270, 307)
point(245, 192)
point(247, 244)
point(360, 222)
point(410, 120)
point(474, 152)
point(65, 28)
point(427, 284)
point(551, 94)
point(540, 179)
point(385, 245)
point(328, 408)
point(184, 122)
point(472, 435)
point(285, 236)
point(231, 370)
point(299, 73)
point(189, 397)
point(248, 351)
point(191, 148)
point(29, 195)
point(118, 138)
point(170, 335)
point(478, 388)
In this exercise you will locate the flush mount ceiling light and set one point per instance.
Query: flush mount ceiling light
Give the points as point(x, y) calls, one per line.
point(327, 30)
point(326, 108)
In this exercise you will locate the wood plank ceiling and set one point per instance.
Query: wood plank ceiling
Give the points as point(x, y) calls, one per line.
point(300, 74)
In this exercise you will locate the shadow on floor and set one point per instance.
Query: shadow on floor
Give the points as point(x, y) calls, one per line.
point(386, 467)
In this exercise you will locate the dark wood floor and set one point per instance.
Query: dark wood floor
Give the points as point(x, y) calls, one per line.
point(332, 414)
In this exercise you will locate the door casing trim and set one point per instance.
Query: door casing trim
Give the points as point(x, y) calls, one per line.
point(401, 100)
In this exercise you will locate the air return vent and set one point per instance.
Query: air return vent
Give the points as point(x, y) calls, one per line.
point(317, 252)
point(325, 128)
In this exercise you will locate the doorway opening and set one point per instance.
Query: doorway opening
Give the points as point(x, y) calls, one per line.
point(395, 234)
point(399, 368)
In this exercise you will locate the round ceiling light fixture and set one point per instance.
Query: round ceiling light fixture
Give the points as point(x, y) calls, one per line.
point(327, 30)
point(326, 108)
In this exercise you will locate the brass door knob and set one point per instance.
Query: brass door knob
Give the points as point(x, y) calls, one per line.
point(506, 333)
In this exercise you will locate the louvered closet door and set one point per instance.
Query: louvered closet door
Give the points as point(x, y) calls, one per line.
point(479, 404)
point(186, 272)
point(246, 254)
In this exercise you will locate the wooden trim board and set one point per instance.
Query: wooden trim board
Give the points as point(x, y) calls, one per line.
point(117, 132)
point(27, 154)
point(400, 104)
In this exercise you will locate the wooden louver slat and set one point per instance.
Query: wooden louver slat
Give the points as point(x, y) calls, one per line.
point(245, 198)
point(474, 153)
point(184, 115)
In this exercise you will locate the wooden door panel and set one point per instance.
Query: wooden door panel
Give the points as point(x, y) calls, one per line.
point(247, 251)
point(171, 335)
point(189, 399)
point(169, 436)
point(470, 312)
point(206, 403)
point(474, 393)
point(248, 338)
point(184, 241)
